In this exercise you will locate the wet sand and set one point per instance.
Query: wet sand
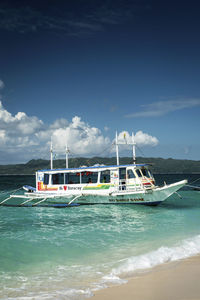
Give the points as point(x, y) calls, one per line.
point(172, 281)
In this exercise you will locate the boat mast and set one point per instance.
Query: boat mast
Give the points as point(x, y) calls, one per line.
point(67, 156)
point(51, 155)
point(117, 149)
point(134, 153)
point(126, 143)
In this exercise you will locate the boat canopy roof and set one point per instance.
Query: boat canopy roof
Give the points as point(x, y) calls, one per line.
point(93, 168)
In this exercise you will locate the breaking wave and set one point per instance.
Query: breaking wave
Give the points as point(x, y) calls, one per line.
point(186, 248)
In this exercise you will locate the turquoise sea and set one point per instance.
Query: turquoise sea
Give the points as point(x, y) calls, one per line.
point(68, 253)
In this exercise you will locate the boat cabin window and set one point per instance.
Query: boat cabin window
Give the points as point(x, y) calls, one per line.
point(139, 174)
point(150, 174)
point(58, 178)
point(72, 178)
point(105, 176)
point(130, 174)
point(46, 179)
point(122, 173)
point(146, 172)
point(89, 177)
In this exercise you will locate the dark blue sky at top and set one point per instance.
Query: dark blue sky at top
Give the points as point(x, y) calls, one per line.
point(105, 61)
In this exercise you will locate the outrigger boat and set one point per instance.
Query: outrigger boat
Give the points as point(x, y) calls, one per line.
point(115, 184)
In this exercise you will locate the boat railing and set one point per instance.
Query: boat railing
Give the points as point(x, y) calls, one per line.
point(123, 186)
point(138, 186)
point(152, 185)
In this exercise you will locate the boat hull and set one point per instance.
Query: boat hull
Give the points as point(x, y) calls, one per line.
point(152, 196)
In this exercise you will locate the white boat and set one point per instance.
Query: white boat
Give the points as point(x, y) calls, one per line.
point(115, 184)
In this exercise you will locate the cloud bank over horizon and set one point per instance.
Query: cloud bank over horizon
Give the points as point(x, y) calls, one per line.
point(24, 137)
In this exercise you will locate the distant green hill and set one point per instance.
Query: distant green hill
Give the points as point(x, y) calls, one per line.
point(159, 165)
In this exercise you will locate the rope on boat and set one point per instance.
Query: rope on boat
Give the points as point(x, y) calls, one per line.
point(194, 186)
point(195, 180)
point(97, 154)
point(10, 192)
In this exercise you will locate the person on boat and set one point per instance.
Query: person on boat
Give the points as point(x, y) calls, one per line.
point(104, 179)
point(123, 182)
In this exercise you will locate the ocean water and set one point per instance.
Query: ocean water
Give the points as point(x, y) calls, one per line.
point(68, 253)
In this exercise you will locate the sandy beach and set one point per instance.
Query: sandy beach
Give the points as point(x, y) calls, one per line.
point(173, 281)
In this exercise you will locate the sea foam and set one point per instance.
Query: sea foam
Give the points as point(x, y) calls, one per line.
point(126, 268)
point(186, 248)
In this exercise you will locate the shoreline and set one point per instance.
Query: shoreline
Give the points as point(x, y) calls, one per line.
point(177, 280)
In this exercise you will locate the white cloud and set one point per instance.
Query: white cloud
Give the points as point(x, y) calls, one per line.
point(80, 137)
point(157, 109)
point(24, 137)
point(59, 123)
point(18, 125)
point(144, 139)
point(3, 137)
point(5, 116)
point(140, 138)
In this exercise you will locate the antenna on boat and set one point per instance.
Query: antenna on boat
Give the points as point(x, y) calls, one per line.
point(51, 155)
point(126, 143)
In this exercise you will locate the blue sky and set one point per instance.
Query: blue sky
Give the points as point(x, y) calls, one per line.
point(94, 67)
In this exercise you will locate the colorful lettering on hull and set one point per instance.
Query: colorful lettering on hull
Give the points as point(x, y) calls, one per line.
point(127, 200)
point(43, 187)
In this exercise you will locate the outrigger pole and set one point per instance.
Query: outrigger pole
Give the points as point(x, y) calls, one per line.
point(126, 143)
